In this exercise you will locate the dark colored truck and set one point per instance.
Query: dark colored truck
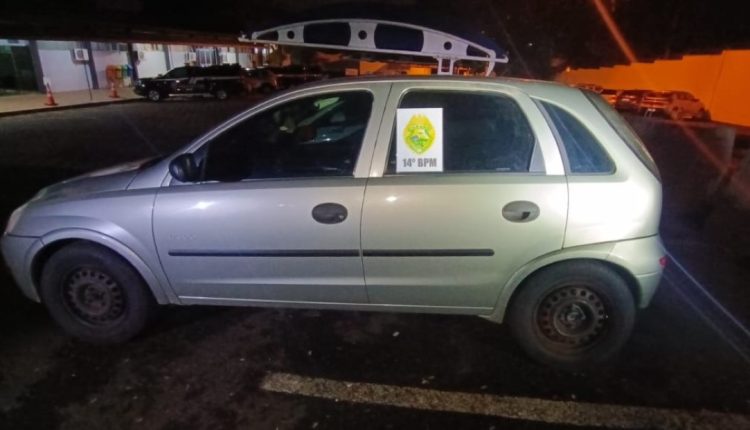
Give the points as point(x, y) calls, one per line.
point(293, 75)
point(219, 81)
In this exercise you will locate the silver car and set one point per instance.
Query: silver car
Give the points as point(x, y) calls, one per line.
point(512, 200)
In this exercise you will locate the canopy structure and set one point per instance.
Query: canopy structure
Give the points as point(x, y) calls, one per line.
point(383, 37)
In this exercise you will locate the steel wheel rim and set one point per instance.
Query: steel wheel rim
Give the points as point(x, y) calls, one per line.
point(93, 297)
point(572, 318)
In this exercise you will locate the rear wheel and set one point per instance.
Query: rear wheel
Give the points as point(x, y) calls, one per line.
point(154, 95)
point(221, 94)
point(265, 89)
point(94, 295)
point(572, 315)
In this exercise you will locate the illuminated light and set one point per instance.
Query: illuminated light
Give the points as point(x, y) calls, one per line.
point(203, 205)
point(663, 261)
point(391, 199)
point(614, 30)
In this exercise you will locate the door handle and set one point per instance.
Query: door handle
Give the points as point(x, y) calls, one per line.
point(329, 213)
point(520, 211)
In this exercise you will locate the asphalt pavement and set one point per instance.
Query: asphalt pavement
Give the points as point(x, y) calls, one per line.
point(687, 364)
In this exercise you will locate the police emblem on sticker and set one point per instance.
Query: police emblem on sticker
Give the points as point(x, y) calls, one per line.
point(419, 133)
point(419, 140)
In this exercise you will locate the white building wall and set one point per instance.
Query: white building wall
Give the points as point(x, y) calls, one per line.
point(177, 55)
point(102, 59)
point(244, 59)
point(230, 57)
point(65, 74)
point(153, 63)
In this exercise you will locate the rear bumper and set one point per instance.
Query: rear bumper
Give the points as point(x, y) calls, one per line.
point(18, 252)
point(642, 258)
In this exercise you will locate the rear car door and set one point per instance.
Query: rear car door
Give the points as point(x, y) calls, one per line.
point(447, 222)
point(276, 217)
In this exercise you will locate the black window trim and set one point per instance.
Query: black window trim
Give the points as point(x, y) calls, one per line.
point(240, 118)
point(536, 153)
point(561, 145)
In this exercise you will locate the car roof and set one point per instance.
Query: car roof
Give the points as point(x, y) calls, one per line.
point(530, 86)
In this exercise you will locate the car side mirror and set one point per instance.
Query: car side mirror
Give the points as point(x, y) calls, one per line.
point(184, 168)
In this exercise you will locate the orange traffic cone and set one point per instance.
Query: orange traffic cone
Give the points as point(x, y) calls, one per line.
point(113, 91)
point(50, 98)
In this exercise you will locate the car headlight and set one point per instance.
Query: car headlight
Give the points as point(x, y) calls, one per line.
point(13, 220)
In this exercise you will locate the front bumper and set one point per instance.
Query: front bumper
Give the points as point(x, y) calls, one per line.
point(140, 90)
point(18, 252)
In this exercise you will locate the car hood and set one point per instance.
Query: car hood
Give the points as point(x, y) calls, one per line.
point(113, 178)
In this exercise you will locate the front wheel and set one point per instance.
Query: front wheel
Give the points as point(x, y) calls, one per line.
point(572, 315)
point(95, 295)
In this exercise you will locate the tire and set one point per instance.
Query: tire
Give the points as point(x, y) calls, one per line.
point(221, 94)
point(154, 95)
point(265, 89)
point(572, 315)
point(95, 295)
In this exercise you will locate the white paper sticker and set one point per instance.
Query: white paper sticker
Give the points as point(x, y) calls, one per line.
point(419, 140)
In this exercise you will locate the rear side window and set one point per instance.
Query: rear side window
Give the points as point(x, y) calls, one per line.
point(585, 153)
point(482, 132)
point(625, 132)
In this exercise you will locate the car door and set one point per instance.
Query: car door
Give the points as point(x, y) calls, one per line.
point(447, 228)
point(276, 216)
point(200, 78)
point(175, 80)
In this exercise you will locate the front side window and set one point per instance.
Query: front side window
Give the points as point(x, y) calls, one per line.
point(481, 132)
point(309, 137)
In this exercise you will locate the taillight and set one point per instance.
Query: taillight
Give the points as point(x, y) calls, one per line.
point(663, 261)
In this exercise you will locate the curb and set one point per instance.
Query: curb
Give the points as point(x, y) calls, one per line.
point(67, 107)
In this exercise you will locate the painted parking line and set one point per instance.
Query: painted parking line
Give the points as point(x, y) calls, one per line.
point(521, 408)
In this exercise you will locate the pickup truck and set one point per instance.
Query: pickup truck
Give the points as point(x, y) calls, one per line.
point(218, 81)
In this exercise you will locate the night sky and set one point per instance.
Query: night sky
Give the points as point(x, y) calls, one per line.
point(542, 36)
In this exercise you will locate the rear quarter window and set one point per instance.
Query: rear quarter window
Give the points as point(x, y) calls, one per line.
point(623, 129)
point(584, 152)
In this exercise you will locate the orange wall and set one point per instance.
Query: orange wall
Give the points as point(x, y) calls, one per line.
point(721, 82)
